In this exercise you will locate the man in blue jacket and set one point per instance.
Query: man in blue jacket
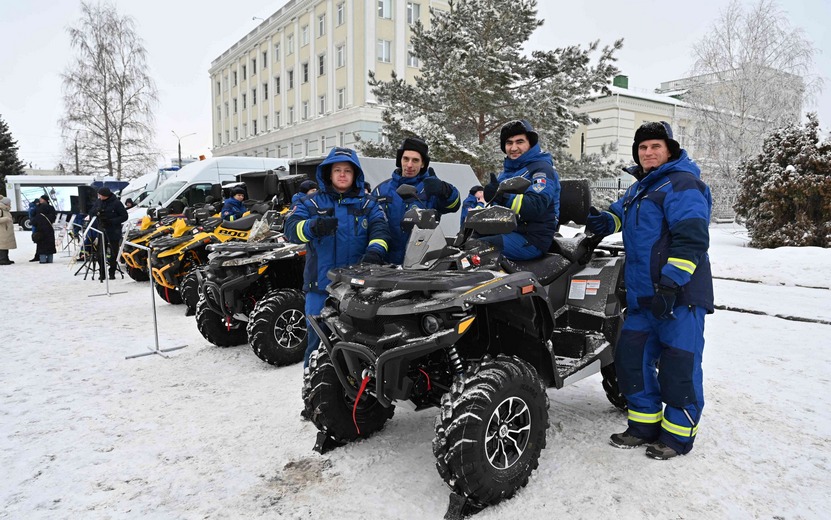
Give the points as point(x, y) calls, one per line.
point(340, 225)
point(538, 209)
point(664, 217)
point(412, 164)
point(233, 208)
point(475, 199)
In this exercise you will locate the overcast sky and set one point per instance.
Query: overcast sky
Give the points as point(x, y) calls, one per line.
point(182, 37)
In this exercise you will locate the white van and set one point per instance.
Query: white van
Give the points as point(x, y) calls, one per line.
point(193, 183)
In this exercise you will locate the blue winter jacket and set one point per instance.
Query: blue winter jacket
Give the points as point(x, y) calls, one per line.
point(362, 226)
point(665, 218)
point(538, 209)
point(395, 207)
point(469, 203)
point(232, 209)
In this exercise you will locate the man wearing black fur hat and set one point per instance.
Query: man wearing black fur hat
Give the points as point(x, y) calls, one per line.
point(413, 167)
point(110, 215)
point(538, 209)
point(664, 217)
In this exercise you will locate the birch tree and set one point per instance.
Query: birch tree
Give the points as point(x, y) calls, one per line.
point(109, 96)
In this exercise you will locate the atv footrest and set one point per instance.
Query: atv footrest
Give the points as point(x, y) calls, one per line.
point(324, 443)
point(460, 508)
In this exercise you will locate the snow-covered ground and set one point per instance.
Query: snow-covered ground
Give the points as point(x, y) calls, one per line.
point(216, 433)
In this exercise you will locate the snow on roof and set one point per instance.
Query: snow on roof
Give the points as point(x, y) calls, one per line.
point(649, 96)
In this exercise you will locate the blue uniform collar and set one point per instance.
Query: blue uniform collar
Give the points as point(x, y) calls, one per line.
point(534, 154)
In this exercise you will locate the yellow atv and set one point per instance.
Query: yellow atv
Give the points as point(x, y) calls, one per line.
point(174, 257)
point(134, 258)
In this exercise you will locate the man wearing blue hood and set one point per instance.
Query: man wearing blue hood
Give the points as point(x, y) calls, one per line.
point(412, 166)
point(233, 208)
point(664, 217)
point(538, 209)
point(340, 225)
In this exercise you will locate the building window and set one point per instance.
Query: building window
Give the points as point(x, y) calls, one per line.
point(227, 109)
point(340, 56)
point(219, 112)
point(276, 52)
point(384, 51)
point(235, 78)
point(277, 119)
point(304, 36)
point(290, 44)
point(340, 139)
point(412, 59)
point(244, 130)
point(321, 65)
point(218, 88)
point(291, 116)
point(384, 8)
point(341, 10)
point(244, 104)
point(265, 123)
point(265, 91)
point(341, 98)
point(253, 96)
point(321, 104)
point(254, 126)
point(276, 85)
point(290, 80)
point(321, 25)
point(265, 58)
point(304, 73)
point(235, 105)
point(305, 108)
point(244, 72)
point(413, 12)
point(236, 133)
point(227, 136)
point(253, 65)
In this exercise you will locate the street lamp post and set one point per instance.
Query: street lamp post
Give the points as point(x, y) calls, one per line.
point(179, 139)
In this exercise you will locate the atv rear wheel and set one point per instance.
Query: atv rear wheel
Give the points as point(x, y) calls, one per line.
point(171, 296)
point(190, 292)
point(491, 430)
point(331, 407)
point(277, 327)
point(139, 275)
point(213, 327)
point(610, 386)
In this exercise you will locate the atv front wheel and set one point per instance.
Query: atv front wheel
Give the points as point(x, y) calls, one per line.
point(213, 327)
point(277, 327)
point(331, 407)
point(171, 296)
point(490, 432)
point(139, 275)
point(610, 386)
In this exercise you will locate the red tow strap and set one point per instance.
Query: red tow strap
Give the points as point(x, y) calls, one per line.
point(357, 400)
point(228, 323)
point(429, 386)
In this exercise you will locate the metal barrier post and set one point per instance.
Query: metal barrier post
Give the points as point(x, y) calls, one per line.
point(157, 350)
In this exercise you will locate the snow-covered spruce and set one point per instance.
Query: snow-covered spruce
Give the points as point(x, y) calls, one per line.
point(213, 328)
point(491, 430)
point(332, 408)
point(277, 327)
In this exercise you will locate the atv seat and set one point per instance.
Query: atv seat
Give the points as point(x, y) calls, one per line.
point(243, 224)
point(568, 247)
point(546, 269)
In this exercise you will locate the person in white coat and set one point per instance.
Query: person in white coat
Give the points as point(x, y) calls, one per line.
point(7, 240)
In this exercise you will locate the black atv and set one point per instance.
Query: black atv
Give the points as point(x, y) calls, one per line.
point(481, 338)
point(249, 292)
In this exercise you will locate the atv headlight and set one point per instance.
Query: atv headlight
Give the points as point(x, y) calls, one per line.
point(242, 261)
point(430, 324)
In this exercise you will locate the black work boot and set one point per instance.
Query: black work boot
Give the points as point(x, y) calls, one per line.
point(627, 441)
point(660, 451)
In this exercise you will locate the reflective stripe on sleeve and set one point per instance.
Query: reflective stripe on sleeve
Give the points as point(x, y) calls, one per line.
point(684, 265)
point(299, 230)
point(455, 202)
point(617, 221)
point(516, 205)
point(380, 242)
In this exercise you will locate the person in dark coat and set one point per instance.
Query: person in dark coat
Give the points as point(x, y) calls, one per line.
point(44, 237)
point(110, 215)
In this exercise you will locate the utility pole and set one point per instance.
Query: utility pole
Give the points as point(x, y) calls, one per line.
point(179, 139)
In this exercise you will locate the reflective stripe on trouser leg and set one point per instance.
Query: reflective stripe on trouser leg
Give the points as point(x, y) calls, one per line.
point(635, 358)
point(314, 304)
point(681, 377)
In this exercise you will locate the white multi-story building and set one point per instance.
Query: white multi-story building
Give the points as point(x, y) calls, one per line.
point(297, 84)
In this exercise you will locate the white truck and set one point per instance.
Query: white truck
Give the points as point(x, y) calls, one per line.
point(64, 191)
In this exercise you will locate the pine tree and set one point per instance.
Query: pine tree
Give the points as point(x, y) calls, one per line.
point(10, 164)
point(475, 77)
point(785, 192)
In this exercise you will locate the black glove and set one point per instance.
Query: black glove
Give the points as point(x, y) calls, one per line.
point(600, 223)
point(435, 186)
point(664, 300)
point(323, 226)
point(372, 257)
point(490, 191)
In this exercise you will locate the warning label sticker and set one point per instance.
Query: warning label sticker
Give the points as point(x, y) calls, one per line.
point(577, 291)
point(592, 286)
